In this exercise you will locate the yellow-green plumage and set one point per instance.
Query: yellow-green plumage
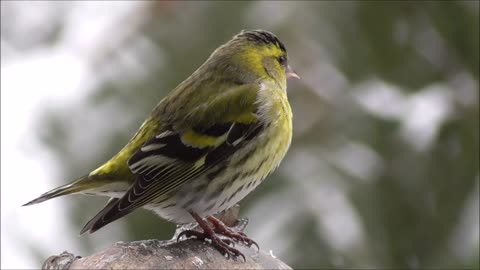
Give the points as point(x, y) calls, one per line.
point(207, 144)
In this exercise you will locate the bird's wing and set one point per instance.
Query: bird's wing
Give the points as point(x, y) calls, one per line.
point(178, 155)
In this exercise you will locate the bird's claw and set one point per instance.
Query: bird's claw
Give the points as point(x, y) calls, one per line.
point(223, 245)
point(237, 236)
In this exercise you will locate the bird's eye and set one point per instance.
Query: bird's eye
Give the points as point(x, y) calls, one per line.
point(283, 60)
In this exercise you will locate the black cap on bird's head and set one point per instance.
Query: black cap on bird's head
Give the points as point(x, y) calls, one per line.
point(262, 37)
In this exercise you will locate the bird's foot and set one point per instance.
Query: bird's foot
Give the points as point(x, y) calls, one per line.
point(223, 245)
point(220, 228)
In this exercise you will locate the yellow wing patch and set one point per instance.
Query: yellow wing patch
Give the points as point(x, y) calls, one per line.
point(198, 140)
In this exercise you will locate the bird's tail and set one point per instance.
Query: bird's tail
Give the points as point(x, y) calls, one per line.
point(74, 187)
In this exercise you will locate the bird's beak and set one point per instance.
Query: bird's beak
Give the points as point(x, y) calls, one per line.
point(291, 73)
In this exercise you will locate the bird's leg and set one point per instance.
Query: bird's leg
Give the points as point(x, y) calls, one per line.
point(222, 245)
point(220, 228)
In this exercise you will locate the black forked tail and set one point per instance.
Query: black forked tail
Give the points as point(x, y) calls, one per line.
point(108, 214)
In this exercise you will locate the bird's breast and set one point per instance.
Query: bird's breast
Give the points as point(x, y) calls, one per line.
point(228, 183)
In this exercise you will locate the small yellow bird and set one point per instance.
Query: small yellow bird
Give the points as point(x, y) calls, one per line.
point(205, 146)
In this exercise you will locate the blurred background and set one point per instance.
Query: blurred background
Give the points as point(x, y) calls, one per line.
point(383, 171)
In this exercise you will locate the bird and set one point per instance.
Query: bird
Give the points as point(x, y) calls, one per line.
point(206, 145)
